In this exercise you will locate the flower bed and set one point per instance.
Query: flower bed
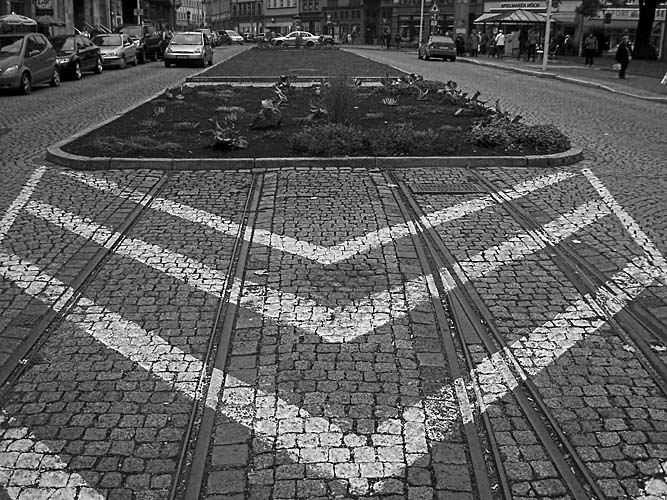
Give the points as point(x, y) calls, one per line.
point(402, 117)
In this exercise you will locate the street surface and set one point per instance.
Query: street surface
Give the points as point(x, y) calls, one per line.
point(335, 333)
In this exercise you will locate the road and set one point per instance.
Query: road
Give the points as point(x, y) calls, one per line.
point(335, 333)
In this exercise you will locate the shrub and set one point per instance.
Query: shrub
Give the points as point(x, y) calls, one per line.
point(339, 98)
point(399, 140)
point(500, 132)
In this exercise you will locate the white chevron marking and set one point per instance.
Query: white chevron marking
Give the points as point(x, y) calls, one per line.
point(323, 255)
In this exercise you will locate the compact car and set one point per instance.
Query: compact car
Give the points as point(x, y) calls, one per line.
point(116, 49)
point(234, 37)
point(439, 46)
point(189, 47)
point(26, 60)
point(289, 40)
point(76, 54)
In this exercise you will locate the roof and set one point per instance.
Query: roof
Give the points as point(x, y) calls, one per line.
point(517, 16)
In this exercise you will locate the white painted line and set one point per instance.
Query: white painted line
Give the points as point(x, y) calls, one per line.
point(317, 253)
point(547, 343)
point(17, 205)
point(237, 399)
point(631, 226)
point(340, 324)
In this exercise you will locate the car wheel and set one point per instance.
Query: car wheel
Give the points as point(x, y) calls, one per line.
point(419, 55)
point(453, 59)
point(167, 64)
point(141, 58)
point(134, 61)
point(76, 72)
point(154, 57)
point(98, 66)
point(426, 56)
point(55, 78)
point(202, 63)
point(123, 62)
point(310, 44)
point(26, 84)
point(210, 61)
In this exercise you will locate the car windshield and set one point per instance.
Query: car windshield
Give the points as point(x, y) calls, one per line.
point(441, 39)
point(108, 40)
point(232, 33)
point(64, 44)
point(11, 45)
point(186, 39)
point(133, 31)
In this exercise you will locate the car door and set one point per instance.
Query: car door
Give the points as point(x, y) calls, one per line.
point(36, 60)
point(130, 49)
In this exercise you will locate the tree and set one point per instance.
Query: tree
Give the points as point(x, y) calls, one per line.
point(642, 48)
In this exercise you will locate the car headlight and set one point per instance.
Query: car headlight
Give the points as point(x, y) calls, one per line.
point(168, 51)
point(62, 60)
point(11, 69)
point(198, 50)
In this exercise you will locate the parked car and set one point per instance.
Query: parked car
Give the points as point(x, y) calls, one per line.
point(189, 47)
point(234, 37)
point(223, 38)
point(215, 39)
point(437, 46)
point(147, 39)
point(326, 40)
point(26, 60)
point(76, 54)
point(116, 49)
point(289, 40)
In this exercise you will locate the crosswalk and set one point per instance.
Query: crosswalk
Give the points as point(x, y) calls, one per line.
point(242, 402)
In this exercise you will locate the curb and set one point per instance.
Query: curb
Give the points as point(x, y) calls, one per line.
point(56, 155)
point(569, 79)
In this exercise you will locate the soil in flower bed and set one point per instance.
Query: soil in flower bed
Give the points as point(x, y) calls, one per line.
point(321, 61)
point(179, 125)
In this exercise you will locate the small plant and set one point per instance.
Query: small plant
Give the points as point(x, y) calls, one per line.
point(269, 116)
point(149, 123)
point(339, 98)
point(185, 125)
point(230, 109)
point(159, 110)
point(390, 101)
point(226, 136)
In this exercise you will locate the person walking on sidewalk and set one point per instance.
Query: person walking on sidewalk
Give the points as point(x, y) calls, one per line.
point(473, 43)
point(590, 48)
point(500, 44)
point(623, 56)
point(533, 38)
point(460, 45)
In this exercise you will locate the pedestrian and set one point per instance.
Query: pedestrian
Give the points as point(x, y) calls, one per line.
point(500, 44)
point(590, 48)
point(387, 39)
point(483, 40)
point(473, 43)
point(523, 44)
point(460, 45)
point(533, 39)
point(622, 56)
point(398, 41)
point(567, 45)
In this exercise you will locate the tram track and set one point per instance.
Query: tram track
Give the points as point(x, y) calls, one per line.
point(57, 312)
point(475, 329)
point(630, 320)
point(191, 471)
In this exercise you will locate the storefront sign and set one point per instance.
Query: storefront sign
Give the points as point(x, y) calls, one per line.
point(632, 14)
point(522, 5)
point(43, 7)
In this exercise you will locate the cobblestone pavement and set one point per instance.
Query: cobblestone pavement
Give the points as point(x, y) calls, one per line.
point(285, 334)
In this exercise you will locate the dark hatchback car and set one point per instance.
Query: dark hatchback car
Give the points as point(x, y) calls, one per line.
point(147, 39)
point(76, 54)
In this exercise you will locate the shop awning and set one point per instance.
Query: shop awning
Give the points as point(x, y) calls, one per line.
point(518, 16)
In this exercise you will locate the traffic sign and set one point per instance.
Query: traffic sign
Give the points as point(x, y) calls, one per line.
point(434, 9)
point(138, 12)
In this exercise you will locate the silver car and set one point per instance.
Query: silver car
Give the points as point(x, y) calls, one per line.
point(116, 49)
point(26, 60)
point(189, 47)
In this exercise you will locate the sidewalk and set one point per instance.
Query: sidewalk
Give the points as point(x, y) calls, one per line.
point(642, 77)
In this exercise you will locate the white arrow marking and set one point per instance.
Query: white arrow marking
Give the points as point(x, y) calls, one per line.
point(317, 253)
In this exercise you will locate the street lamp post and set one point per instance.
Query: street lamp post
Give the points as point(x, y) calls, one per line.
point(545, 53)
point(421, 24)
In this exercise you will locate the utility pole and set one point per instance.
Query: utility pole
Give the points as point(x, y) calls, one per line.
point(545, 54)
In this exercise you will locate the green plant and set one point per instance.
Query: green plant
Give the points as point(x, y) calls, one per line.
point(338, 98)
point(149, 123)
point(159, 110)
point(503, 132)
point(226, 136)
